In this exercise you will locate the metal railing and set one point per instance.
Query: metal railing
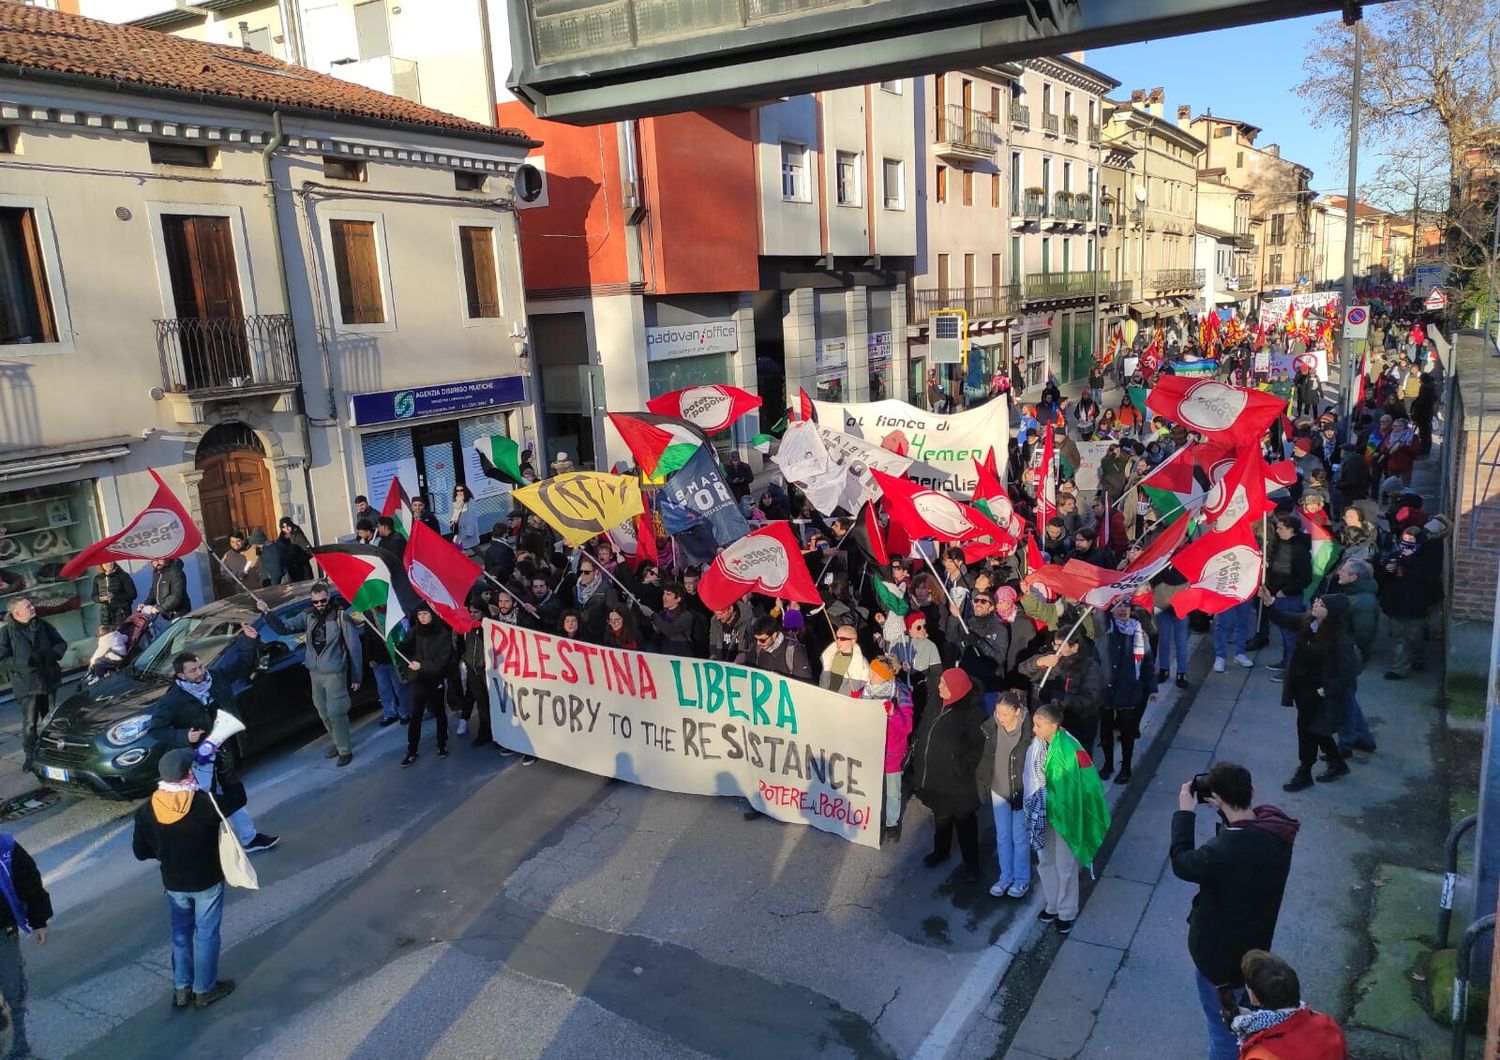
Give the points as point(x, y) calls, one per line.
point(1042, 285)
point(1070, 125)
point(1049, 123)
point(1177, 279)
point(1245, 282)
point(1083, 207)
point(1121, 291)
point(204, 355)
point(1062, 205)
point(1034, 206)
point(1245, 241)
point(1020, 116)
point(978, 302)
point(967, 127)
point(1137, 214)
point(1094, 132)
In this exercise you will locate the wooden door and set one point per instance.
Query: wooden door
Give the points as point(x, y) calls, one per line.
point(206, 297)
point(235, 494)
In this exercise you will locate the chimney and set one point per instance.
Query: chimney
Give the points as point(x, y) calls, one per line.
point(1184, 117)
point(1077, 56)
point(1137, 95)
point(1157, 99)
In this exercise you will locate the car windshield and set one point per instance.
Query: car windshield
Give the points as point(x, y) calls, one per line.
point(204, 637)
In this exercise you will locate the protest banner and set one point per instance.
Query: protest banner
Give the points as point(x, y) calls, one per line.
point(944, 448)
point(799, 753)
point(1091, 455)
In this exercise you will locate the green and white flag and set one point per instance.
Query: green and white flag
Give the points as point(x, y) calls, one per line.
point(500, 457)
point(890, 596)
point(364, 576)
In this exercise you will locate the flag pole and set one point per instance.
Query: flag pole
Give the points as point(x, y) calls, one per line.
point(508, 592)
point(1063, 645)
point(952, 603)
point(225, 568)
point(370, 616)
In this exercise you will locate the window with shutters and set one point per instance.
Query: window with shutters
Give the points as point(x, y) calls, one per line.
point(25, 301)
point(476, 247)
point(354, 247)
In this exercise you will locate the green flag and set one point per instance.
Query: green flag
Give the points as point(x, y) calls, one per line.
point(890, 597)
point(1075, 797)
point(1138, 397)
point(500, 457)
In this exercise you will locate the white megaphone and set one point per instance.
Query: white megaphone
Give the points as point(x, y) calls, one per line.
point(226, 727)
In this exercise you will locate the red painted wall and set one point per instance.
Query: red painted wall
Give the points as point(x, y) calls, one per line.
point(698, 179)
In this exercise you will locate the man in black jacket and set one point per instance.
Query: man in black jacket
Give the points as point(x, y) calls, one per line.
point(31, 649)
point(186, 713)
point(986, 648)
point(1288, 574)
point(25, 910)
point(168, 595)
point(114, 592)
point(1077, 684)
point(179, 827)
point(1241, 874)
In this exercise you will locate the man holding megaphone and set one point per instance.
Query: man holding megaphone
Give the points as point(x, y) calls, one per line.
point(197, 712)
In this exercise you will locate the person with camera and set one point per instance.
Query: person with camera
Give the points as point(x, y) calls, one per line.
point(1241, 875)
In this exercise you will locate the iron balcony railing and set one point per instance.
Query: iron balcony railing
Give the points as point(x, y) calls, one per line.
point(1122, 291)
point(1020, 116)
point(1137, 214)
point(1049, 123)
point(1245, 281)
point(1245, 242)
point(1178, 279)
point(977, 302)
point(1062, 205)
point(1044, 285)
point(967, 127)
point(1083, 207)
point(1070, 126)
point(207, 355)
point(1093, 134)
point(1034, 205)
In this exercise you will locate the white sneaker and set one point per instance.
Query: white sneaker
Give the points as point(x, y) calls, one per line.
point(1018, 890)
point(1218, 664)
point(463, 726)
point(998, 891)
point(1244, 660)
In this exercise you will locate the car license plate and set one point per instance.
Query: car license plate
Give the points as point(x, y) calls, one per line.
point(53, 773)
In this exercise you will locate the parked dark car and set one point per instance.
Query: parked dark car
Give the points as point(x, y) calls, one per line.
point(96, 743)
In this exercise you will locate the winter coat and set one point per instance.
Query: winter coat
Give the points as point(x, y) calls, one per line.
point(1304, 1035)
point(178, 710)
point(1130, 684)
point(431, 646)
point(180, 829)
point(726, 641)
point(1322, 674)
point(33, 652)
point(121, 590)
point(168, 592)
point(855, 675)
point(340, 652)
point(1415, 586)
point(986, 652)
point(950, 744)
point(26, 878)
point(1078, 684)
point(1003, 779)
point(1288, 565)
point(1364, 614)
point(789, 658)
point(898, 724)
point(676, 631)
point(1241, 875)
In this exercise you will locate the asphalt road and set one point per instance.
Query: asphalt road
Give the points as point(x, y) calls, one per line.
point(478, 908)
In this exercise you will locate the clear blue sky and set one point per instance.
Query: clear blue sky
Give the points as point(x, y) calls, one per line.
point(1249, 74)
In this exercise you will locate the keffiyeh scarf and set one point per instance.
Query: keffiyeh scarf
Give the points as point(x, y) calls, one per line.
point(1005, 603)
point(199, 690)
point(1035, 805)
point(1138, 643)
point(1262, 1019)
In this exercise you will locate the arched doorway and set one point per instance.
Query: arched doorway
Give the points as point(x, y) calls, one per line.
point(235, 492)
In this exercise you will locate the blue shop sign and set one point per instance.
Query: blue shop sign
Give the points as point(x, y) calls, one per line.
point(392, 406)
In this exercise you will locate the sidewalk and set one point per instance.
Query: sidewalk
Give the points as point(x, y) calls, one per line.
point(1122, 984)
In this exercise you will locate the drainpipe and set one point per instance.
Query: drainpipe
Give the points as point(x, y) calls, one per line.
point(278, 138)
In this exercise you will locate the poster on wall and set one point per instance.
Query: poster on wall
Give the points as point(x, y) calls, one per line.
point(378, 478)
point(946, 445)
point(799, 753)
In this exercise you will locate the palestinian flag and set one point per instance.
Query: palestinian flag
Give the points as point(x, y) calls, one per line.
point(1138, 397)
point(660, 444)
point(990, 497)
point(363, 575)
point(398, 506)
point(1076, 807)
point(499, 457)
point(1325, 552)
point(1175, 486)
point(890, 597)
point(803, 410)
point(876, 540)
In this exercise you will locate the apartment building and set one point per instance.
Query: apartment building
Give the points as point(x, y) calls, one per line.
point(270, 286)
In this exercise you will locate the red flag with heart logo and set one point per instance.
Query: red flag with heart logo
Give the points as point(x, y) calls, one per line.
point(768, 560)
point(163, 531)
point(1099, 586)
point(923, 512)
point(442, 575)
point(1225, 415)
point(1222, 569)
point(1237, 485)
point(711, 408)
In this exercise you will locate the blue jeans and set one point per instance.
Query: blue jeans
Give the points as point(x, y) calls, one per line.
point(1229, 630)
point(1291, 605)
point(1222, 1044)
point(395, 698)
point(1010, 842)
point(196, 916)
point(1173, 634)
point(893, 799)
point(1355, 726)
point(239, 820)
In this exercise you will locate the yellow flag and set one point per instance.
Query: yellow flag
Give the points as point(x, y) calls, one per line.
point(583, 504)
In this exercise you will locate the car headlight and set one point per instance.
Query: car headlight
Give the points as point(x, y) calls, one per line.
point(133, 757)
point(127, 732)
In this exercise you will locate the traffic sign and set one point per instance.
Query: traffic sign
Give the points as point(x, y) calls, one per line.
point(1357, 322)
point(1437, 299)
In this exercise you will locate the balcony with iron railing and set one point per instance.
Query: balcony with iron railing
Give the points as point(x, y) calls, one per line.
point(1121, 291)
point(1245, 241)
point(964, 135)
point(1177, 279)
point(1137, 215)
point(1094, 133)
point(1049, 124)
point(1083, 207)
point(1244, 281)
point(1070, 126)
point(1034, 204)
point(1020, 116)
point(227, 357)
point(980, 303)
point(1045, 286)
point(1062, 207)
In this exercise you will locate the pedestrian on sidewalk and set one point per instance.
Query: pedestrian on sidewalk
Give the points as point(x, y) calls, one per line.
point(1320, 681)
point(334, 661)
point(1411, 585)
point(1288, 574)
point(1356, 580)
point(1171, 631)
point(179, 827)
point(1241, 875)
point(187, 711)
point(25, 911)
point(1278, 1025)
point(395, 694)
point(945, 761)
point(1066, 815)
point(32, 649)
point(1131, 683)
point(1002, 773)
point(430, 648)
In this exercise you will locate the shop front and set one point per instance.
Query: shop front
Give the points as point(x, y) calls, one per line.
point(686, 355)
point(878, 346)
point(425, 437)
point(1031, 349)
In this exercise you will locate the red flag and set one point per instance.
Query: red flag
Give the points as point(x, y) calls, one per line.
point(991, 465)
point(878, 550)
point(442, 575)
point(1150, 360)
point(1044, 484)
point(768, 560)
point(1237, 485)
point(991, 498)
point(635, 540)
point(1099, 586)
point(1279, 475)
point(164, 530)
point(923, 512)
point(712, 408)
point(1226, 415)
point(1222, 568)
point(803, 409)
